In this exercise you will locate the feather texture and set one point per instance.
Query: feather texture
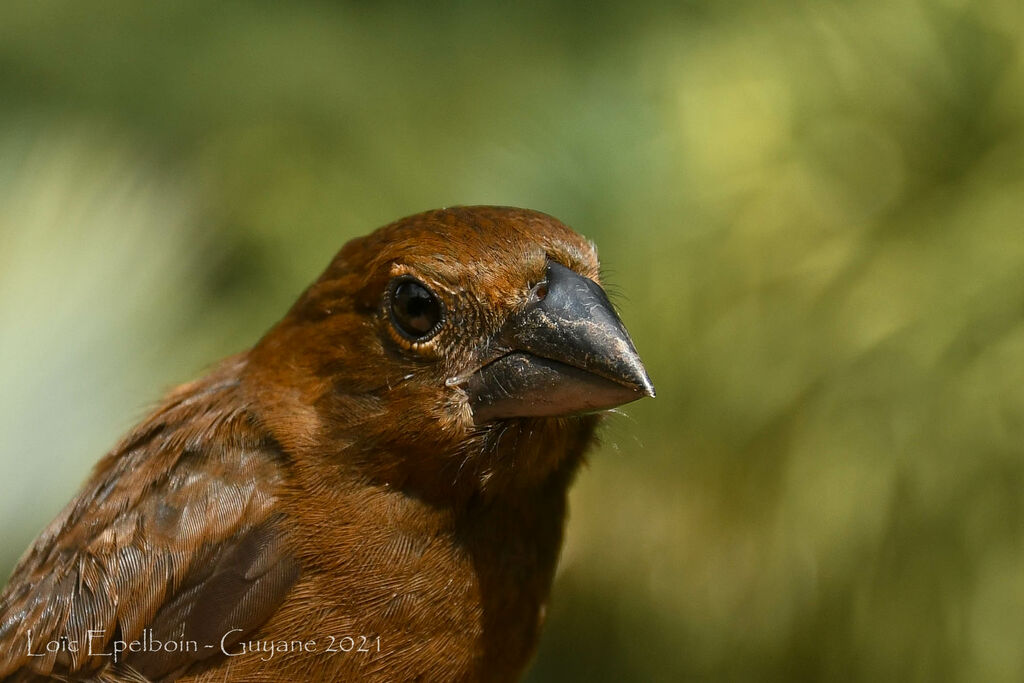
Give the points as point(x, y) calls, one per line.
point(324, 506)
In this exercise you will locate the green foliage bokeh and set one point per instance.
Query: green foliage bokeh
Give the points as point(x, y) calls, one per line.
point(811, 214)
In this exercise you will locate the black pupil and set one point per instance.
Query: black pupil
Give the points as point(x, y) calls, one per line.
point(416, 310)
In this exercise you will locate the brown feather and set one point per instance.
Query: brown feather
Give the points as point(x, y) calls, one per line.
point(329, 483)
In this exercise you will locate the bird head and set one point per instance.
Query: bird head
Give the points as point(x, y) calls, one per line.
point(471, 346)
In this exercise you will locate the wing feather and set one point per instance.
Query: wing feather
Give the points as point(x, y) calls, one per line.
point(175, 537)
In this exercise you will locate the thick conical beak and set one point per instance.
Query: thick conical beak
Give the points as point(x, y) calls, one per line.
point(567, 353)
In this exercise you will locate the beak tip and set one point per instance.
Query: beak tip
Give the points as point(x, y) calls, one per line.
point(647, 386)
point(634, 374)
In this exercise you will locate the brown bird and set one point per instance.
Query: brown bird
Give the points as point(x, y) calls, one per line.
point(375, 491)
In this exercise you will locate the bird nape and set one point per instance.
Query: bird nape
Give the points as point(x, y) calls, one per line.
point(375, 491)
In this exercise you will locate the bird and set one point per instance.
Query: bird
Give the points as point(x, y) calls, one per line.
point(375, 491)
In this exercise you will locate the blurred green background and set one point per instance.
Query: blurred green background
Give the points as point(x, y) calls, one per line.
point(812, 212)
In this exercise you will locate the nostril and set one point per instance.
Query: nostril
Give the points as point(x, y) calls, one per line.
point(540, 290)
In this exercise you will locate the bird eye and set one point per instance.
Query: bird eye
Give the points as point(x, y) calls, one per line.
point(415, 312)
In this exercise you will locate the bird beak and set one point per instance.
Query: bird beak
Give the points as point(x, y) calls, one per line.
point(566, 353)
